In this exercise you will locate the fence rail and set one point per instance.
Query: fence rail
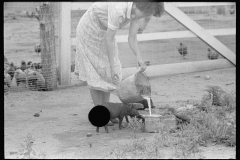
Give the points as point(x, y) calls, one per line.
point(86, 5)
point(67, 7)
point(170, 35)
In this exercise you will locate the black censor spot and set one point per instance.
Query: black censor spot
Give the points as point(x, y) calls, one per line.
point(99, 116)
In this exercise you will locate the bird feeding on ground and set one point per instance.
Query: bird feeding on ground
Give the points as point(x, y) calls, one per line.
point(11, 70)
point(212, 55)
point(72, 67)
point(37, 48)
point(182, 49)
point(29, 64)
point(232, 10)
point(23, 65)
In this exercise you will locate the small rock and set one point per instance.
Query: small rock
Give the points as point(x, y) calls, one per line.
point(196, 76)
point(207, 77)
point(89, 134)
point(74, 114)
point(12, 153)
point(105, 144)
point(230, 83)
point(36, 115)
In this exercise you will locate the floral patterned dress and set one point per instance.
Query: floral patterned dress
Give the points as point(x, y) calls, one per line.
point(91, 63)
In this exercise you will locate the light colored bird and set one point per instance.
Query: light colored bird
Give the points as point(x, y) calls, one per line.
point(35, 80)
point(5, 59)
point(7, 79)
point(20, 76)
point(182, 49)
point(212, 55)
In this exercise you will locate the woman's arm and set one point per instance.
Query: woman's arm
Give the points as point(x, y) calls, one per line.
point(145, 22)
point(133, 43)
point(110, 34)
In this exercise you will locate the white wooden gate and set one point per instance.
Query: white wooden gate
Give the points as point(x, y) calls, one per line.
point(195, 30)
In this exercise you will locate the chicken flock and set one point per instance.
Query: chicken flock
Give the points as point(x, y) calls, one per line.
point(30, 74)
point(183, 50)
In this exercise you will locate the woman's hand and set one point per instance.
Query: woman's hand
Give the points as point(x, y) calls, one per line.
point(115, 75)
point(142, 65)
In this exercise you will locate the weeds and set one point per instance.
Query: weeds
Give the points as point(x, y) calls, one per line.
point(136, 126)
point(217, 121)
point(27, 151)
point(212, 121)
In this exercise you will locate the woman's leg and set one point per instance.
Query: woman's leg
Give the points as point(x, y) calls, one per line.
point(106, 98)
point(96, 96)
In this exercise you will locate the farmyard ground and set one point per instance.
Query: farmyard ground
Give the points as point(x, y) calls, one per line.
point(61, 129)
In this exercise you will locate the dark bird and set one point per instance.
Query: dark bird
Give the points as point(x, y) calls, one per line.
point(29, 64)
point(212, 55)
point(37, 66)
point(37, 48)
point(5, 59)
point(146, 62)
point(23, 65)
point(11, 70)
point(182, 49)
point(72, 67)
point(182, 117)
point(232, 10)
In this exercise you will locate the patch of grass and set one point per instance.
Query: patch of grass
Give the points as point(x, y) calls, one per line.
point(216, 122)
point(27, 151)
point(210, 122)
point(136, 125)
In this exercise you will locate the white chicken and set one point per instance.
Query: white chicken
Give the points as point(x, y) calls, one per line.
point(35, 81)
point(7, 81)
point(20, 76)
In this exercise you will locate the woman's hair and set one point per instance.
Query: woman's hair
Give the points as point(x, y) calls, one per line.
point(155, 8)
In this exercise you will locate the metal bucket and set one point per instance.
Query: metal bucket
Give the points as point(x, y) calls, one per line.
point(152, 122)
point(128, 89)
point(155, 122)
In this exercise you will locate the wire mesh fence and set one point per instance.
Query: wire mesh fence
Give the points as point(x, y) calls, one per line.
point(23, 34)
point(29, 46)
point(166, 51)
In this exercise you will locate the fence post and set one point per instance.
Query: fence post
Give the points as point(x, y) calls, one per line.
point(65, 43)
point(47, 39)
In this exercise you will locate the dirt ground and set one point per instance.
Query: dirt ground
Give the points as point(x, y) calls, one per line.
point(61, 129)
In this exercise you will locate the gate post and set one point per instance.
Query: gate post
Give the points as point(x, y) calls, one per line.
point(65, 43)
